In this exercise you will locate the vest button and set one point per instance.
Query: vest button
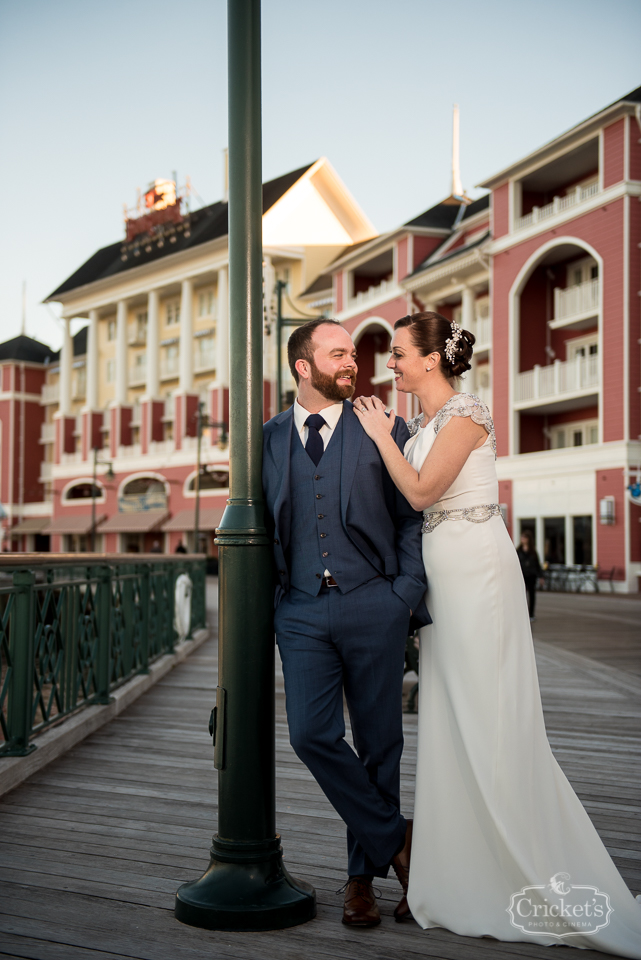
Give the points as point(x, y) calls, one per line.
point(316, 477)
point(321, 516)
point(276, 542)
point(326, 554)
point(318, 576)
point(319, 496)
point(282, 573)
point(323, 534)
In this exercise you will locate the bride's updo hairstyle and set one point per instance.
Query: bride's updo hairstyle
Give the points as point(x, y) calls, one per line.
point(430, 332)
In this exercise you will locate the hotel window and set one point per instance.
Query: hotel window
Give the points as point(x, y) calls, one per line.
point(205, 353)
point(173, 312)
point(111, 371)
point(582, 347)
point(111, 330)
point(206, 303)
point(574, 434)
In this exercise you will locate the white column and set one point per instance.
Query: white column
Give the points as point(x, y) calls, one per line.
point(121, 353)
point(467, 310)
point(66, 359)
point(153, 346)
point(186, 338)
point(92, 361)
point(222, 330)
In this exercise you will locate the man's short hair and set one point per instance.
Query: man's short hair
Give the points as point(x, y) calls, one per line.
point(299, 345)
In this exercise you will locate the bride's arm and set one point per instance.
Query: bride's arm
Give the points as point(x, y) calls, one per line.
point(451, 448)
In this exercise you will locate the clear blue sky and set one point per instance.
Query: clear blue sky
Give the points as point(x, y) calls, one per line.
point(98, 98)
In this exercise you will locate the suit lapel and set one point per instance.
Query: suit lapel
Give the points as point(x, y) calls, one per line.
point(280, 451)
point(352, 440)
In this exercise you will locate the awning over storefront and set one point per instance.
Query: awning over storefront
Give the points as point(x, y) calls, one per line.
point(31, 525)
point(75, 523)
point(184, 520)
point(142, 522)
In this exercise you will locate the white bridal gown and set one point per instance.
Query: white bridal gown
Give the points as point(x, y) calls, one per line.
point(494, 812)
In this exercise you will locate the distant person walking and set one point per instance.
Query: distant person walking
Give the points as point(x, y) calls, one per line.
point(530, 567)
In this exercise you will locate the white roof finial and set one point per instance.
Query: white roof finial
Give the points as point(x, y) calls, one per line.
point(457, 186)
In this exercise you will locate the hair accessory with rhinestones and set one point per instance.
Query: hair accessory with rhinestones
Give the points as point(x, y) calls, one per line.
point(450, 345)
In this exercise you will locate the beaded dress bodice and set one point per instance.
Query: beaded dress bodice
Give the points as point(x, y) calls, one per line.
point(477, 482)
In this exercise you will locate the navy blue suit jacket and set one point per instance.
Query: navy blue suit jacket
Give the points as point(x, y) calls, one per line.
point(375, 516)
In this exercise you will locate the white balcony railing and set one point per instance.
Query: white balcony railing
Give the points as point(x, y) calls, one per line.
point(385, 286)
point(484, 394)
point(50, 393)
point(132, 450)
point(136, 335)
point(170, 408)
point(558, 205)
point(47, 433)
point(560, 379)
point(137, 375)
point(483, 332)
point(169, 368)
point(381, 372)
point(205, 361)
point(75, 457)
point(46, 470)
point(577, 301)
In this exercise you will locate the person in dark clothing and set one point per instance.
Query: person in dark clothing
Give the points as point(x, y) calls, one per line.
point(530, 567)
point(180, 548)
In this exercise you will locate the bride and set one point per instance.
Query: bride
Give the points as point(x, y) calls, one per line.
point(502, 846)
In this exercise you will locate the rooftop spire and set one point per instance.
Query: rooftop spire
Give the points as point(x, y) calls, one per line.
point(458, 195)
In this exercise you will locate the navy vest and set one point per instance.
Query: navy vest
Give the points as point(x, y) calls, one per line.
point(317, 538)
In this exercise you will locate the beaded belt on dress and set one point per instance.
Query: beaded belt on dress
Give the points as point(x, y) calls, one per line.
point(474, 514)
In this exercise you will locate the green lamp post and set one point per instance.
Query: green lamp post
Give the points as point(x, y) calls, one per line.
point(246, 886)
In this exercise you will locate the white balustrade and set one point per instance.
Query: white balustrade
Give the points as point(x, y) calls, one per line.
point(205, 360)
point(47, 433)
point(46, 470)
point(582, 298)
point(169, 368)
point(50, 393)
point(558, 205)
point(170, 408)
point(483, 332)
point(372, 292)
point(137, 375)
point(557, 380)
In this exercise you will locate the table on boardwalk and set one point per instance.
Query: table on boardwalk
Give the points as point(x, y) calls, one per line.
point(93, 847)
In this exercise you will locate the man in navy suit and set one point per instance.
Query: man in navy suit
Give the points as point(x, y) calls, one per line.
point(350, 576)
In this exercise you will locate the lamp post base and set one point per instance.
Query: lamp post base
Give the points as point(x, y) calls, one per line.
point(246, 887)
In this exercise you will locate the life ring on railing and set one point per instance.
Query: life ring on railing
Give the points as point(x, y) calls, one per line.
point(182, 606)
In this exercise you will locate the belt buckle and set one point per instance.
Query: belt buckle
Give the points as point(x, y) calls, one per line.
point(327, 583)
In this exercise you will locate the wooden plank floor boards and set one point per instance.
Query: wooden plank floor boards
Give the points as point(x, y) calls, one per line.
point(93, 847)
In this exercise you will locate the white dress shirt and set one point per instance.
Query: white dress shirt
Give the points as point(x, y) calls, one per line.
point(331, 415)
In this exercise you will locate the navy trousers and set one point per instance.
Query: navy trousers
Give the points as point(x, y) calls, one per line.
point(353, 643)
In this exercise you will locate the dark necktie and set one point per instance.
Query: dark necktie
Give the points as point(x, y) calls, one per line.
point(314, 445)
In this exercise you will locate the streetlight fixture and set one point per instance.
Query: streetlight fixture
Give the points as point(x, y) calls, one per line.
point(110, 476)
point(246, 886)
point(202, 420)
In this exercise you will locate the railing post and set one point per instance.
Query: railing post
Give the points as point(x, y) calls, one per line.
point(557, 378)
point(145, 602)
point(103, 653)
point(20, 706)
point(536, 386)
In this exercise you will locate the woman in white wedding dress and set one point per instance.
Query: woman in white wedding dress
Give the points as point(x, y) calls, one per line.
point(494, 813)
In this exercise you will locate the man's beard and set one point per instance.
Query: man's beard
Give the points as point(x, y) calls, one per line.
point(328, 387)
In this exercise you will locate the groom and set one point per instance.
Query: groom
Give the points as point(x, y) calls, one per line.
point(350, 575)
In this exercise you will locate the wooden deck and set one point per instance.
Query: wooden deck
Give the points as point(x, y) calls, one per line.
point(93, 847)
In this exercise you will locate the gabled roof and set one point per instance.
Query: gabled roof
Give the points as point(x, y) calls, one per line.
point(592, 123)
point(443, 216)
point(26, 349)
point(199, 226)
point(321, 284)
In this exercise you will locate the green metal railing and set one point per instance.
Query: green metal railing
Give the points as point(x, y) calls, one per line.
point(73, 627)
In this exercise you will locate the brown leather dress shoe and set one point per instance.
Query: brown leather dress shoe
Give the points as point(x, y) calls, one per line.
point(361, 908)
point(401, 866)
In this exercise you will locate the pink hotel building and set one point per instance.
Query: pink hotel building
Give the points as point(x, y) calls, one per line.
point(544, 269)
